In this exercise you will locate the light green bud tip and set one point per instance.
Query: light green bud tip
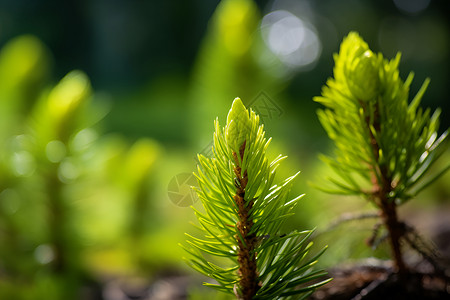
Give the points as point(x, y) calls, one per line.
point(358, 67)
point(238, 125)
point(362, 75)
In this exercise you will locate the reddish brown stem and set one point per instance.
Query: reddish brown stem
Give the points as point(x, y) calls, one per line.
point(382, 186)
point(248, 273)
point(396, 231)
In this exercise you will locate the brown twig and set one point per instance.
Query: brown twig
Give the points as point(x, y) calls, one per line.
point(248, 273)
point(382, 186)
point(348, 217)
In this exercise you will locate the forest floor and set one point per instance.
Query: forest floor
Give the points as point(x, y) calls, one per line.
point(375, 279)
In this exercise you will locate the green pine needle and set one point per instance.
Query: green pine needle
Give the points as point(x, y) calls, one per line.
point(243, 212)
point(379, 135)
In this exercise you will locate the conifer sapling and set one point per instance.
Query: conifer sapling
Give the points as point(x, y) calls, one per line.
point(243, 217)
point(385, 145)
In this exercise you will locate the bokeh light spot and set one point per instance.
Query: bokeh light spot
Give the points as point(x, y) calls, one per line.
point(55, 151)
point(23, 163)
point(292, 40)
point(412, 6)
point(68, 171)
point(44, 254)
point(83, 139)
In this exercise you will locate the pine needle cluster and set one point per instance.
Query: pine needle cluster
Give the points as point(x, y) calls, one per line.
point(385, 144)
point(243, 216)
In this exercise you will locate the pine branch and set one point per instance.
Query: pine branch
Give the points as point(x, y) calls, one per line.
point(379, 136)
point(382, 187)
point(243, 216)
point(246, 246)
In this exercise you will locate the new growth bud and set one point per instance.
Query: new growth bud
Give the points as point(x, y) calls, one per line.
point(357, 68)
point(238, 125)
point(362, 75)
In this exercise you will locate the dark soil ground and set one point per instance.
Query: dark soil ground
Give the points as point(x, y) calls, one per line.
point(376, 280)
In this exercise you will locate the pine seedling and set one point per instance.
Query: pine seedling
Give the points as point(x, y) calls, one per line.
point(243, 216)
point(384, 144)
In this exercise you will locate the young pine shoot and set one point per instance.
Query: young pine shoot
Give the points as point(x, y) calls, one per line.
point(243, 216)
point(385, 145)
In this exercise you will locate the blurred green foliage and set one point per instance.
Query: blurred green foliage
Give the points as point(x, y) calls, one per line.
point(229, 64)
point(67, 193)
point(84, 169)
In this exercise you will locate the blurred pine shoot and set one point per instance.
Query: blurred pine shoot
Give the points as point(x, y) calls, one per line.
point(384, 144)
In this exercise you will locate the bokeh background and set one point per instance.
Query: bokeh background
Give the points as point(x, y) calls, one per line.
point(105, 104)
